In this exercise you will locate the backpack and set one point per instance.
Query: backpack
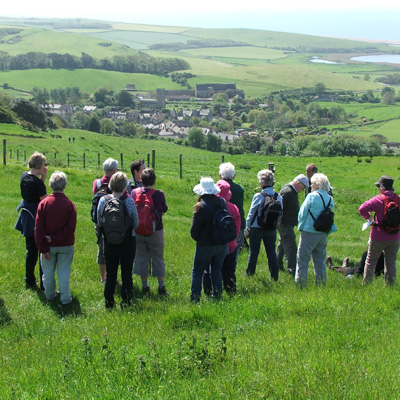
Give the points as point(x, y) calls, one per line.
point(146, 212)
point(223, 224)
point(324, 221)
point(102, 190)
point(271, 213)
point(391, 214)
point(115, 222)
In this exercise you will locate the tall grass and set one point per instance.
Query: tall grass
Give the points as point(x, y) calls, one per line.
point(271, 340)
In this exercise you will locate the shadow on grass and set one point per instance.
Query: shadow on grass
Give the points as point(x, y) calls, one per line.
point(62, 310)
point(5, 317)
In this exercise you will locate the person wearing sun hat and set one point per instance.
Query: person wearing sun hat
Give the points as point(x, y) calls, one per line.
point(380, 240)
point(228, 270)
point(208, 254)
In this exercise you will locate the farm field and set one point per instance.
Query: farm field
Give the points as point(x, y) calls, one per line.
point(271, 61)
point(271, 340)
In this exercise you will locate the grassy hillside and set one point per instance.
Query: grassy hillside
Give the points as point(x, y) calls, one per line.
point(268, 60)
point(269, 341)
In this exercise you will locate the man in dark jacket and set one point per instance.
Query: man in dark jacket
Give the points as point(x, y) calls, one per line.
point(287, 238)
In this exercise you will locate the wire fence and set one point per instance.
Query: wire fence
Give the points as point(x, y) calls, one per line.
point(167, 165)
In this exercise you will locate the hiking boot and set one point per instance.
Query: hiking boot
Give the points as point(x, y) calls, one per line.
point(329, 262)
point(346, 262)
point(146, 291)
point(163, 291)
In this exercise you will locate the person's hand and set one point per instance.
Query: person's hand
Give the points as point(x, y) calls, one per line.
point(48, 238)
point(43, 174)
point(246, 233)
point(46, 256)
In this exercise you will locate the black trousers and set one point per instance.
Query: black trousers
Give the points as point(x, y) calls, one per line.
point(119, 254)
point(32, 255)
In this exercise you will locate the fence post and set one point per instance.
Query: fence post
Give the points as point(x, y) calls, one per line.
point(180, 166)
point(17, 154)
point(68, 160)
point(24, 155)
point(10, 154)
point(122, 161)
point(55, 156)
point(84, 160)
point(153, 161)
point(148, 160)
point(4, 151)
point(98, 160)
point(222, 159)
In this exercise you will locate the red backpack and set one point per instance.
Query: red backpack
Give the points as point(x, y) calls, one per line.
point(391, 214)
point(146, 213)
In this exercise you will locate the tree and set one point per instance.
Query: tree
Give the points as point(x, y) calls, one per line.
point(107, 126)
point(196, 137)
point(125, 99)
point(30, 112)
point(213, 142)
point(319, 87)
point(94, 125)
point(388, 98)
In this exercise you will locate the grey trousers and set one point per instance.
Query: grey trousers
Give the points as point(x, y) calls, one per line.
point(311, 245)
point(287, 247)
point(375, 249)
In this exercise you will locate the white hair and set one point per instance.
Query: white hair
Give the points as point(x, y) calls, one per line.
point(227, 171)
point(266, 177)
point(58, 181)
point(321, 182)
point(110, 165)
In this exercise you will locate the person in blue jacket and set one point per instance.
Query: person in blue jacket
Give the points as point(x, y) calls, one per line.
point(313, 243)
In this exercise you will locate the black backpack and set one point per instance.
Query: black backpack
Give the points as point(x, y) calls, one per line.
point(115, 221)
point(324, 221)
point(102, 190)
point(223, 224)
point(271, 213)
point(391, 215)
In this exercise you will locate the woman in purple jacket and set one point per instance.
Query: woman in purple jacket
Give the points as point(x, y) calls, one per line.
point(380, 240)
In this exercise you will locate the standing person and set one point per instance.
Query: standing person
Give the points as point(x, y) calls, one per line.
point(110, 167)
point(151, 244)
point(312, 242)
point(122, 253)
point(33, 190)
point(208, 253)
point(311, 169)
point(382, 238)
point(55, 238)
point(227, 173)
point(287, 238)
point(136, 181)
point(228, 270)
point(258, 234)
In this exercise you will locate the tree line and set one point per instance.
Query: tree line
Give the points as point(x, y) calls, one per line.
point(135, 63)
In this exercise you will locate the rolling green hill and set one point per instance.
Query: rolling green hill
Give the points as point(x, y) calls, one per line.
point(265, 61)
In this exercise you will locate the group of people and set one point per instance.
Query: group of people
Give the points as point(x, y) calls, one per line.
point(136, 243)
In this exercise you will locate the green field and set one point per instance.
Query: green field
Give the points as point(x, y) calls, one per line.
point(271, 340)
point(271, 61)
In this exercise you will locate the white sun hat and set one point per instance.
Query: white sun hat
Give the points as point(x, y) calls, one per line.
point(206, 186)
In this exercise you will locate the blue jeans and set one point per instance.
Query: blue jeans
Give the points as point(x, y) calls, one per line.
point(269, 239)
point(60, 258)
point(311, 245)
point(206, 257)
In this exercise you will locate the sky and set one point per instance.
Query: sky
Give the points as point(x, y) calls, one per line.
point(341, 18)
